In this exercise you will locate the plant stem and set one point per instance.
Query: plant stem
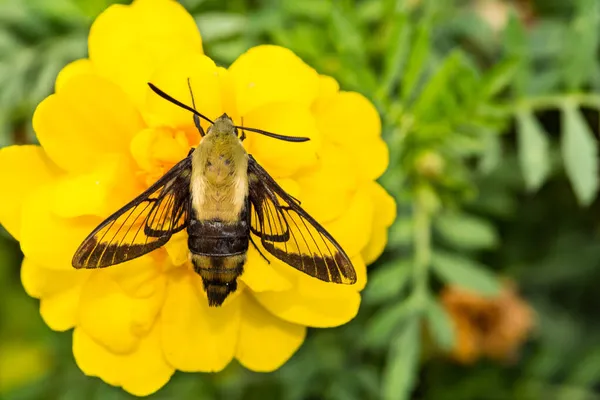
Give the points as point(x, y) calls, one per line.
point(422, 243)
point(555, 101)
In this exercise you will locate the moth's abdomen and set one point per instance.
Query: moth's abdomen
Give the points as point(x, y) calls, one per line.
point(218, 251)
point(219, 275)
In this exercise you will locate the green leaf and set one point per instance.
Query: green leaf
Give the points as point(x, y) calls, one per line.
point(515, 47)
point(466, 231)
point(579, 60)
point(401, 370)
point(440, 325)
point(416, 62)
point(395, 56)
point(499, 77)
point(381, 327)
point(217, 25)
point(580, 154)
point(465, 273)
point(533, 145)
point(387, 281)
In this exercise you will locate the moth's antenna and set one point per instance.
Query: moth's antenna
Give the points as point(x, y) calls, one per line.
point(196, 117)
point(177, 102)
point(276, 136)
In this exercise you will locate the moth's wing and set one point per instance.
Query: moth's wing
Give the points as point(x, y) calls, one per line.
point(290, 234)
point(143, 225)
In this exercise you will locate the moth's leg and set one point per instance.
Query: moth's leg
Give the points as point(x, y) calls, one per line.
point(243, 135)
point(198, 126)
point(259, 252)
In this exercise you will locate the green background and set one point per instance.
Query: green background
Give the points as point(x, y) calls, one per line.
point(494, 164)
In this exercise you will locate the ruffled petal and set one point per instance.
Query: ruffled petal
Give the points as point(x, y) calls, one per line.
point(352, 229)
point(261, 276)
point(127, 43)
point(34, 169)
point(279, 157)
point(270, 74)
point(141, 372)
point(312, 302)
point(114, 316)
point(59, 311)
point(87, 119)
point(39, 281)
point(172, 78)
point(39, 225)
point(196, 337)
point(371, 155)
point(348, 117)
point(78, 67)
point(265, 341)
point(328, 188)
point(383, 217)
point(99, 192)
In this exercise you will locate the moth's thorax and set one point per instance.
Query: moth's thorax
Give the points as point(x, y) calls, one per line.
point(219, 183)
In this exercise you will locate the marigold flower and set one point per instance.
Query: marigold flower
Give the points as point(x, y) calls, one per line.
point(487, 327)
point(105, 137)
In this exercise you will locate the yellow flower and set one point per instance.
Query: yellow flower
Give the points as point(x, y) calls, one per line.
point(491, 327)
point(105, 137)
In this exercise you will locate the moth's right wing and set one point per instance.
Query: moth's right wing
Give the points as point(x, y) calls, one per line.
point(143, 225)
point(291, 234)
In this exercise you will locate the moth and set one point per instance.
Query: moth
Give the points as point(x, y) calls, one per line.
point(224, 199)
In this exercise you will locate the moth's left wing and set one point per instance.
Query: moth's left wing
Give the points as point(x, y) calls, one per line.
point(290, 234)
point(143, 225)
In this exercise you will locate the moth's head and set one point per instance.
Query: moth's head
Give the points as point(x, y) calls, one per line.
point(223, 126)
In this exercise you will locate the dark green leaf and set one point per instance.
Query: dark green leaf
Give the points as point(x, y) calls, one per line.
point(533, 146)
point(400, 373)
point(580, 154)
point(465, 273)
point(466, 231)
point(580, 59)
point(381, 327)
point(440, 325)
point(415, 66)
point(499, 77)
point(387, 281)
point(395, 56)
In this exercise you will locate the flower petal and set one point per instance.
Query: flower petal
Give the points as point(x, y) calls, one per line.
point(89, 118)
point(59, 311)
point(111, 316)
point(127, 43)
point(265, 341)
point(39, 225)
point(311, 302)
point(328, 189)
point(269, 74)
point(311, 311)
point(383, 217)
point(172, 78)
point(78, 67)
point(260, 276)
point(196, 337)
point(141, 372)
point(34, 169)
point(279, 157)
point(334, 122)
point(158, 149)
point(99, 192)
point(352, 229)
point(39, 281)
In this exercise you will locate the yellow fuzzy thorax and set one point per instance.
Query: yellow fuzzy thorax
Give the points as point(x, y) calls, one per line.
point(219, 173)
